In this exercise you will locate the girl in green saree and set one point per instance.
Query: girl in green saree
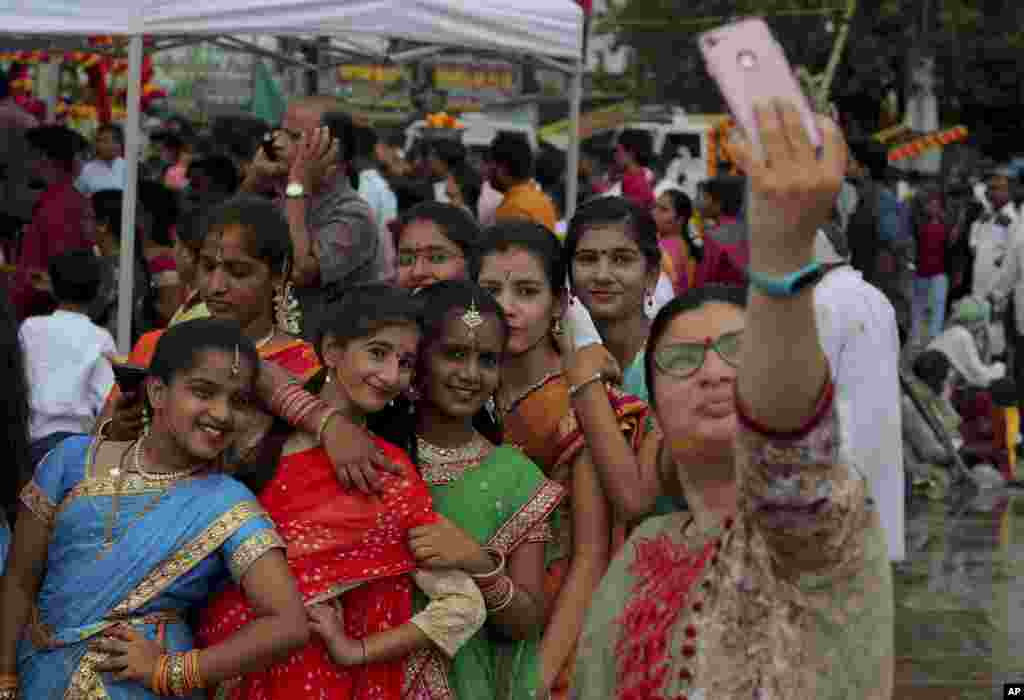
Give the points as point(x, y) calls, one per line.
point(495, 503)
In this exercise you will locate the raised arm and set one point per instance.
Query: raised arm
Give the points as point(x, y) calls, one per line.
point(783, 368)
point(811, 509)
point(355, 457)
point(630, 483)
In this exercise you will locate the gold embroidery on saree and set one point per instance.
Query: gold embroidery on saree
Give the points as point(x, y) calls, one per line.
point(252, 549)
point(86, 682)
point(189, 556)
point(426, 677)
point(335, 591)
point(534, 512)
point(131, 485)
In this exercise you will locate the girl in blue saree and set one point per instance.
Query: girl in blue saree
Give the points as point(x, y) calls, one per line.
point(116, 541)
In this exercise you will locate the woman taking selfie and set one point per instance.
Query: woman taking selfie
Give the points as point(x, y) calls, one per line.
point(776, 583)
point(116, 541)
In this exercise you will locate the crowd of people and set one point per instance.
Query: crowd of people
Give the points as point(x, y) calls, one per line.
point(404, 432)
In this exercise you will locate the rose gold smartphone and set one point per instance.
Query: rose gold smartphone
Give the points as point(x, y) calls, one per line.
point(750, 66)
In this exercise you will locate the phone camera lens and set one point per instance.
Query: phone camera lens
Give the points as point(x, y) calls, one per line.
point(746, 60)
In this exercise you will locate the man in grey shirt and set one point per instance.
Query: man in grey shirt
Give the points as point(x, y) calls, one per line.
point(336, 241)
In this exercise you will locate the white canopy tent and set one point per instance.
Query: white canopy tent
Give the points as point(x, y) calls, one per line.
point(549, 30)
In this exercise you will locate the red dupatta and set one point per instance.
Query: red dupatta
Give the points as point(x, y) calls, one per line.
point(298, 357)
point(341, 544)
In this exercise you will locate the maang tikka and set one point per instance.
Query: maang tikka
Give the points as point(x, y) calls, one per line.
point(472, 318)
point(236, 366)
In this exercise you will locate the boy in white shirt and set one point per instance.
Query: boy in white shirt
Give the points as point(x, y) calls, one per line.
point(69, 377)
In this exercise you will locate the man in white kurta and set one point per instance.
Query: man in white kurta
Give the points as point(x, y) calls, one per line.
point(990, 235)
point(857, 326)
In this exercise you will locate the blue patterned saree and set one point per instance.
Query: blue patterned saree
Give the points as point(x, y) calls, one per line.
point(166, 551)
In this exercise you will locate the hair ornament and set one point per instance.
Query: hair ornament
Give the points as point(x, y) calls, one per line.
point(472, 317)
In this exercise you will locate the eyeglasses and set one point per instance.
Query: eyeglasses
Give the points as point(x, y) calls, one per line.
point(432, 256)
point(682, 360)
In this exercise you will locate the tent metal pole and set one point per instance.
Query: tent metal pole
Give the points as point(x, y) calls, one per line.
point(416, 54)
point(233, 44)
point(126, 286)
point(572, 161)
point(567, 68)
point(572, 164)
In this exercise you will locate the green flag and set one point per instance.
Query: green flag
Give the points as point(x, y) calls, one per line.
point(267, 102)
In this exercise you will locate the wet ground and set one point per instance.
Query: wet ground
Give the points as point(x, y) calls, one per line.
point(960, 597)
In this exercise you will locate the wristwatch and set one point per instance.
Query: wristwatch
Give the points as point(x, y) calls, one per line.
point(788, 286)
point(294, 190)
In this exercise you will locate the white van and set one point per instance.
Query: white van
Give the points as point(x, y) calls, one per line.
point(480, 130)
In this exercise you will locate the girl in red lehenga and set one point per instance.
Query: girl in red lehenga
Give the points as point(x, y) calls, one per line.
point(350, 552)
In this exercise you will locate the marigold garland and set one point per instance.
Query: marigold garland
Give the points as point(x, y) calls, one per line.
point(98, 68)
point(928, 142)
point(718, 147)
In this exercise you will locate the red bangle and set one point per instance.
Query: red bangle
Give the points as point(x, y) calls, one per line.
point(279, 397)
point(821, 409)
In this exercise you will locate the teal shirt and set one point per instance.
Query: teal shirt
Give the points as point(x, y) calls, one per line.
point(635, 382)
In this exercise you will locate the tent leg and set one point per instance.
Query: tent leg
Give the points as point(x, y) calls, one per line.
point(573, 157)
point(126, 285)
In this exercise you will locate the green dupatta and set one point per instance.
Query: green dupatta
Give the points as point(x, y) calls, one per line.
point(502, 503)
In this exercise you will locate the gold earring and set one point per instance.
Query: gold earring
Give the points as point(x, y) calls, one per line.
point(556, 326)
point(286, 309)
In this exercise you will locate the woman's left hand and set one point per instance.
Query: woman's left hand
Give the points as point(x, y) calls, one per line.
point(591, 360)
point(444, 545)
point(792, 189)
point(329, 622)
point(130, 656)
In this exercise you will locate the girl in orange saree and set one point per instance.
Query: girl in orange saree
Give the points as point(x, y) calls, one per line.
point(521, 265)
point(350, 552)
point(242, 274)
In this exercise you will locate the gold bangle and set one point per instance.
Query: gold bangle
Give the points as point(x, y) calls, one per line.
point(103, 426)
point(177, 676)
point(577, 388)
point(160, 676)
point(366, 656)
point(9, 694)
point(331, 413)
point(196, 681)
point(488, 579)
point(508, 600)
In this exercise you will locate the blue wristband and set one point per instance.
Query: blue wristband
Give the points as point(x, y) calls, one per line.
point(788, 286)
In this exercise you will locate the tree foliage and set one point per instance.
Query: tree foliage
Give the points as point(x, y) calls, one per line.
point(977, 45)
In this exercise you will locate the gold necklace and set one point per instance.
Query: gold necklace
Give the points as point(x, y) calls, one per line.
point(161, 477)
point(506, 407)
point(164, 482)
point(443, 465)
point(267, 338)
